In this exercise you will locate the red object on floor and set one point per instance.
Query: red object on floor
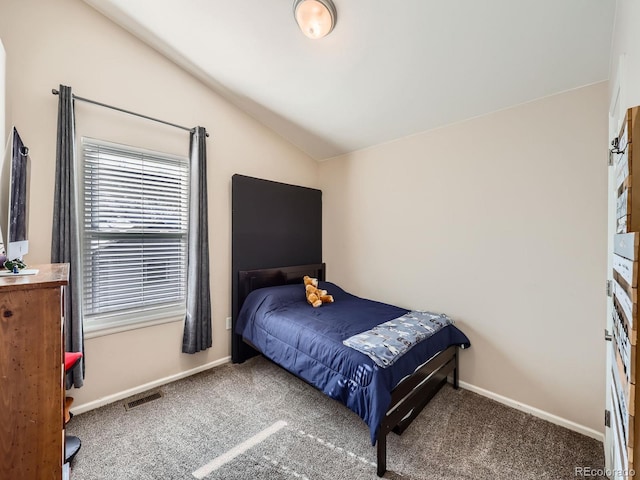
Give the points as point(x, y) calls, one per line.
point(71, 359)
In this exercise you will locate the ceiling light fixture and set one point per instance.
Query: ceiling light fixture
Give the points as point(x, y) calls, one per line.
point(316, 18)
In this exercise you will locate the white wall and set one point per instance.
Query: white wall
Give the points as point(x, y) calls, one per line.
point(626, 43)
point(68, 42)
point(500, 221)
point(3, 107)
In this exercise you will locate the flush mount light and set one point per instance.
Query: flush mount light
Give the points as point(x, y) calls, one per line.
point(316, 18)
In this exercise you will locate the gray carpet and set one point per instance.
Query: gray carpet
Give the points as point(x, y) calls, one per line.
point(459, 435)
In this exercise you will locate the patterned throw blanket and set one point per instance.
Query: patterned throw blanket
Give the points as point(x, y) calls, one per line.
point(387, 342)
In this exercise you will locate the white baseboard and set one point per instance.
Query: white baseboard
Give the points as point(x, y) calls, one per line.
point(536, 412)
point(85, 407)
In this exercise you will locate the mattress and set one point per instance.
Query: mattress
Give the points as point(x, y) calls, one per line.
point(307, 342)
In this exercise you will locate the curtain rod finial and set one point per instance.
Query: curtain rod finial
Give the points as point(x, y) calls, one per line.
point(54, 91)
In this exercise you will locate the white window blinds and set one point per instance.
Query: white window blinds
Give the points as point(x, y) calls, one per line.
point(134, 233)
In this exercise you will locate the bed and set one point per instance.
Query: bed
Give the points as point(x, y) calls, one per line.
point(275, 320)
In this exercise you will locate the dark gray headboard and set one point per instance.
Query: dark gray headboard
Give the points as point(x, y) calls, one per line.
point(272, 225)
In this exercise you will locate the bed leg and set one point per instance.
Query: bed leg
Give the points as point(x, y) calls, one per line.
point(382, 453)
point(455, 371)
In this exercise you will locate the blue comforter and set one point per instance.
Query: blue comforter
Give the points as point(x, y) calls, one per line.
point(307, 342)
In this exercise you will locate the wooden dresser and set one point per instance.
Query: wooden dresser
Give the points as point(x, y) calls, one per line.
point(31, 374)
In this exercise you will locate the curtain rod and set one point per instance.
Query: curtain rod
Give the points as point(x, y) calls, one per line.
point(76, 97)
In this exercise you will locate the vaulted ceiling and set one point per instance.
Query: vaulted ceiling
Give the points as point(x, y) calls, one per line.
point(390, 68)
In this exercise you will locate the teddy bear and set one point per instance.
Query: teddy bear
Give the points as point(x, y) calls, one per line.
point(315, 296)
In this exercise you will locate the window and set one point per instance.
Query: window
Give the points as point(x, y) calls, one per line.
point(133, 235)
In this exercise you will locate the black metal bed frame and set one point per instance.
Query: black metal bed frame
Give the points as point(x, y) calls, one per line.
point(408, 398)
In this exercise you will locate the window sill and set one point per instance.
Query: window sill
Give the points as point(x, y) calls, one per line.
point(94, 331)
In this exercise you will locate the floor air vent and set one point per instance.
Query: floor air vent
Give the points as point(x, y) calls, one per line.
point(141, 401)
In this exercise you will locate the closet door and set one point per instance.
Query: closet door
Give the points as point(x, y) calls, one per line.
point(622, 435)
point(609, 440)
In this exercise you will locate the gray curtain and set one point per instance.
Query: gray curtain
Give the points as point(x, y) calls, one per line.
point(197, 325)
point(64, 238)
